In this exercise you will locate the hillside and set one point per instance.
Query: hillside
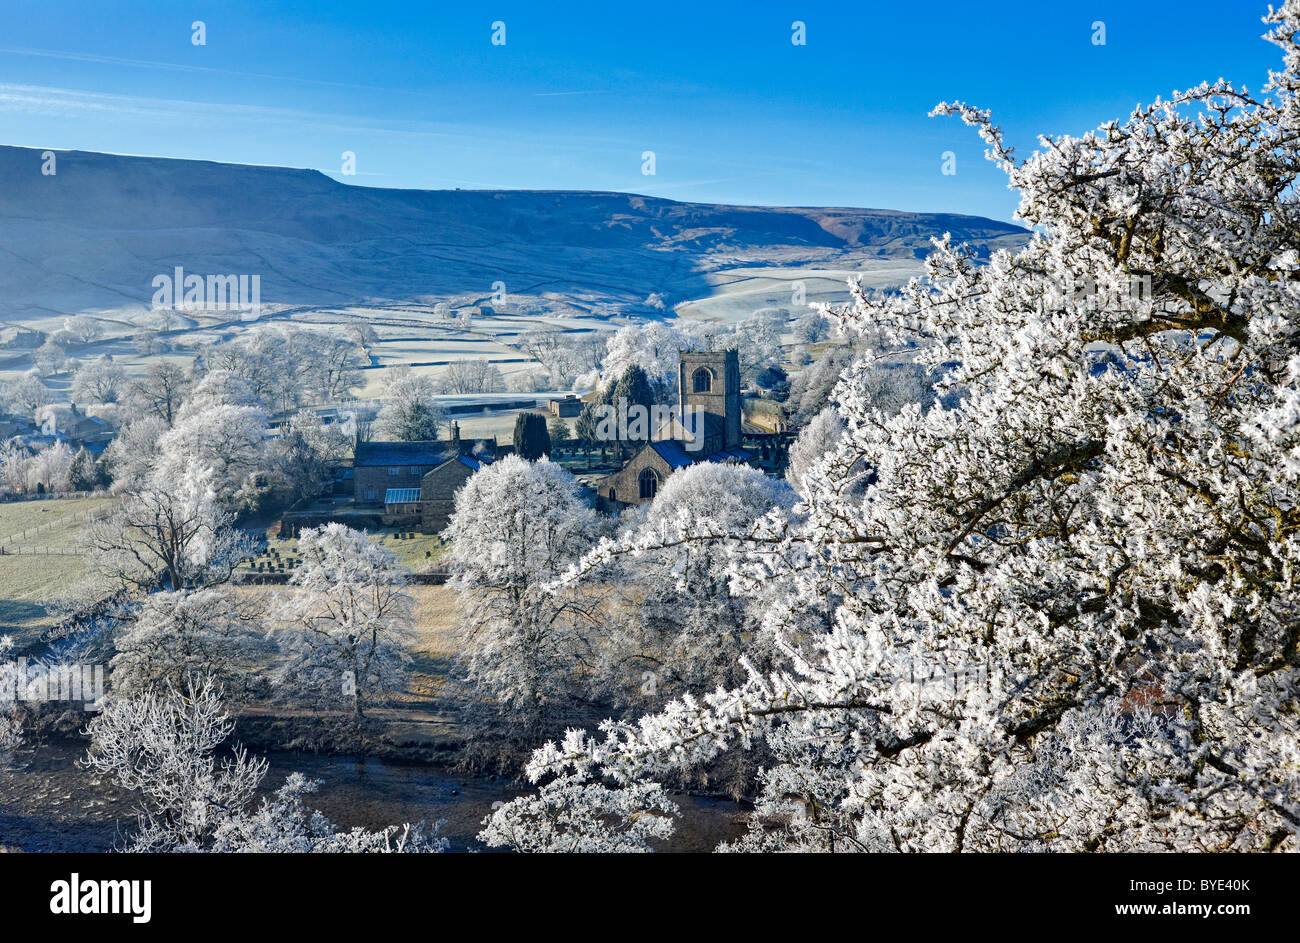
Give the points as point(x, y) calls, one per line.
point(93, 236)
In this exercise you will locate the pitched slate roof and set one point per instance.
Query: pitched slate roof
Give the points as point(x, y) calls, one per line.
point(672, 453)
point(730, 455)
point(426, 452)
point(676, 456)
point(401, 495)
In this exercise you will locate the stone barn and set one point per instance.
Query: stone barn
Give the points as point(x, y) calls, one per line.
point(565, 408)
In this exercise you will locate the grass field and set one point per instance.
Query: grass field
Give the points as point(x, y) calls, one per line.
point(25, 580)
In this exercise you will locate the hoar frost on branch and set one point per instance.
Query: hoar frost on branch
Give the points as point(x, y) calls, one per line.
point(11, 715)
point(171, 532)
point(1066, 611)
point(569, 814)
point(346, 624)
point(162, 744)
point(517, 526)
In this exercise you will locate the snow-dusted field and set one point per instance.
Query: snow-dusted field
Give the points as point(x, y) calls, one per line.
point(412, 335)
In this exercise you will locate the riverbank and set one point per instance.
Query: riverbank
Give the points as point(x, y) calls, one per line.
point(48, 803)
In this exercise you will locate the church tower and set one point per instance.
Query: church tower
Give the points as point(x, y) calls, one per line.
point(710, 380)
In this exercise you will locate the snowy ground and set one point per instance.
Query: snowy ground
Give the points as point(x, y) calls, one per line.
point(412, 335)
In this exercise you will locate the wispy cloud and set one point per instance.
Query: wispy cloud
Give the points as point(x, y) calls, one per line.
point(66, 102)
point(182, 67)
point(234, 119)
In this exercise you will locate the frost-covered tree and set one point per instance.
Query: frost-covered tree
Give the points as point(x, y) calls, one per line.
point(28, 393)
point(159, 392)
point(133, 455)
point(1064, 613)
point(303, 454)
point(332, 441)
point(287, 367)
point(331, 369)
point(757, 343)
point(653, 347)
point(534, 380)
point(148, 343)
point(691, 629)
point(47, 470)
point(11, 712)
point(360, 420)
point(812, 328)
point(13, 466)
point(283, 824)
point(813, 387)
point(217, 388)
point(411, 412)
point(362, 333)
point(517, 525)
point(163, 745)
point(51, 357)
point(894, 386)
point(172, 635)
point(98, 381)
point(554, 349)
point(84, 329)
point(817, 441)
point(230, 441)
point(471, 376)
point(346, 623)
point(170, 532)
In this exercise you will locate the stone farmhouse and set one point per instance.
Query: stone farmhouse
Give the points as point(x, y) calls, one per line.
point(430, 506)
point(416, 482)
point(379, 467)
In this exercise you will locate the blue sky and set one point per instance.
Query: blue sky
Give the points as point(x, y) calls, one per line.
point(732, 109)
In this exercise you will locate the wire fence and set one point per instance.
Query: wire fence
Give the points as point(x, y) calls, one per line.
point(7, 544)
point(9, 551)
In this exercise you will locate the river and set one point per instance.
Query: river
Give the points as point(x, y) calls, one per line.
point(48, 803)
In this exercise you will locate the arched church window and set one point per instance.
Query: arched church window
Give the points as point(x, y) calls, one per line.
point(702, 380)
point(649, 482)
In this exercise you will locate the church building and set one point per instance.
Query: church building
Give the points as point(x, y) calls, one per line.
point(707, 381)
